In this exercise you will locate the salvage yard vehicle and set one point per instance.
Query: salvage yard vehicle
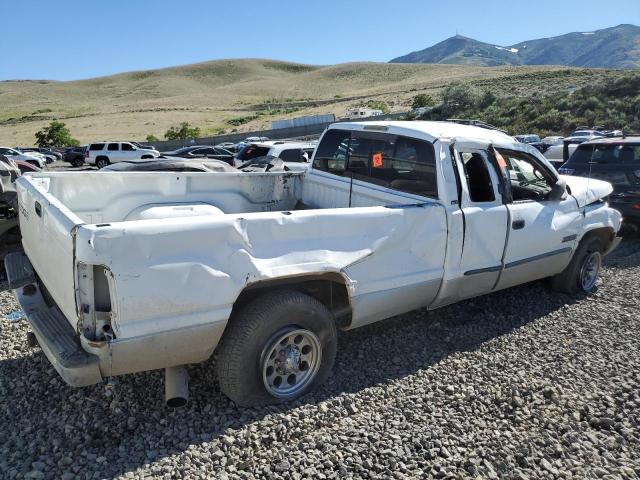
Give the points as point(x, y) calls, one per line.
point(615, 160)
point(143, 271)
point(202, 152)
point(102, 154)
point(34, 158)
point(289, 152)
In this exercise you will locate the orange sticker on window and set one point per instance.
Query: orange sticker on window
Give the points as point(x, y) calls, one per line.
point(500, 159)
point(377, 160)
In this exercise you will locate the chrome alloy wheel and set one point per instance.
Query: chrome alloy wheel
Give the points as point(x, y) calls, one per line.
point(589, 270)
point(290, 361)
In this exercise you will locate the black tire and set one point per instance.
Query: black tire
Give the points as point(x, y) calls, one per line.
point(146, 157)
point(252, 330)
point(570, 279)
point(102, 162)
point(77, 163)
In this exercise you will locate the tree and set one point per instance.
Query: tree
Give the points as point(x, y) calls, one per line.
point(422, 100)
point(55, 135)
point(152, 138)
point(458, 97)
point(182, 132)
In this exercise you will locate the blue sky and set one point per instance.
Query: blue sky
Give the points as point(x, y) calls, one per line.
point(72, 39)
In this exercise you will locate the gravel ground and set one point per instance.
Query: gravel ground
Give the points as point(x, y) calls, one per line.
point(523, 383)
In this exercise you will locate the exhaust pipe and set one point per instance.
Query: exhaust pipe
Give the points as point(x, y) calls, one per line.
point(176, 386)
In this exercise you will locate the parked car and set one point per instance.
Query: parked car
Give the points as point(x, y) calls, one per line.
point(102, 154)
point(202, 151)
point(289, 152)
point(558, 154)
point(156, 271)
point(171, 165)
point(240, 145)
point(615, 160)
point(533, 140)
point(26, 167)
point(33, 158)
point(552, 140)
point(227, 146)
point(75, 155)
point(49, 154)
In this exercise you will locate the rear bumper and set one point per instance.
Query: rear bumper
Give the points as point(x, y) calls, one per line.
point(59, 342)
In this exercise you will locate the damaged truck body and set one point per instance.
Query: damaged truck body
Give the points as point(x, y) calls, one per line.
point(127, 272)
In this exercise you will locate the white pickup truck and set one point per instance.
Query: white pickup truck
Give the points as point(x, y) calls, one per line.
point(127, 272)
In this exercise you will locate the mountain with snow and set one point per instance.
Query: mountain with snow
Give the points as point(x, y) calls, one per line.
point(615, 47)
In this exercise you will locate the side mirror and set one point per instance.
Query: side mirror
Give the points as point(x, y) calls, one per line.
point(558, 191)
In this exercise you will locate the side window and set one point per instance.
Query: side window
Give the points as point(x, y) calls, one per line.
point(478, 177)
point(127, 147)
point(332, 152)
point(529, 180)
point(113, 147)
point(96, 147)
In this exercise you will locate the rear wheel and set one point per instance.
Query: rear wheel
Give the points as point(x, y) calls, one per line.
point(102, 162)
point(276, 348)
point(581, 275)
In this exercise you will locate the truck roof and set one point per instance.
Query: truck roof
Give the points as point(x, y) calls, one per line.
point(432, 130)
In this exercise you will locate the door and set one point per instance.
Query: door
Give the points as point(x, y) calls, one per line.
point(542, 232)
point(113, 152)
point(128, 152)
point(485, 219)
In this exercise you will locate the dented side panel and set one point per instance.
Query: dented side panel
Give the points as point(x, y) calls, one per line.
point(189, 272)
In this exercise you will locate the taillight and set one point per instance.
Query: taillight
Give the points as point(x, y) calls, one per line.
point(565, 171)
point(636, 206)
point(86, 154)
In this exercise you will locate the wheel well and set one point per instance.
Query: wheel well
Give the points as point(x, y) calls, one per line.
point(328, 288)
point(606, 235)
point(102, 157)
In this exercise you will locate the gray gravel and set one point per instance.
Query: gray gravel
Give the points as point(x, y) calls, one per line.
point(524, 383)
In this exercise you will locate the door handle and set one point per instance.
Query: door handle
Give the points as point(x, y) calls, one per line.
point(38, 209)
point(518, 224)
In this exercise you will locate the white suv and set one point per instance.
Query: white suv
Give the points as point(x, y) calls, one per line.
point(34, 158)
point(289, 152)
point(102, 154)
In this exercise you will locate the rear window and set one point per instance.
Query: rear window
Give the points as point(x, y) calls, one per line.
point(252, 151)
point(393, 161)
point(607, 153)
point(291, 155)
point(96, 146)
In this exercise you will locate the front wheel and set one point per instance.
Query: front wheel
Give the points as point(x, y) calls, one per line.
point(581, 275)
point(276, 348)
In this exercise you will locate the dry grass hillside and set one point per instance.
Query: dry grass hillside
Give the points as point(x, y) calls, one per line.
point(135, 104)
